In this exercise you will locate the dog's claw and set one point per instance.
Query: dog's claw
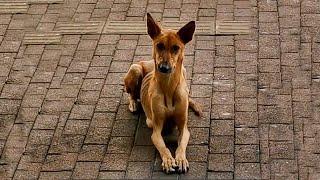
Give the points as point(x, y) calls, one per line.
point(183, 165)
point(169, 165)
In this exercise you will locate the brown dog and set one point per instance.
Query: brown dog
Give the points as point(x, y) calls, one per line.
point(161, 86)
point(133, 80)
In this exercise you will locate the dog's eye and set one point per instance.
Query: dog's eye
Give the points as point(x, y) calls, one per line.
point(175, 48)
point(160, 46)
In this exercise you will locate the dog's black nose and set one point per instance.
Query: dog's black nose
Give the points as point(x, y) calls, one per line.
point(164, 68)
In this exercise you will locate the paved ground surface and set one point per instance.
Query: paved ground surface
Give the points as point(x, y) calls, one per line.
point(63, 112)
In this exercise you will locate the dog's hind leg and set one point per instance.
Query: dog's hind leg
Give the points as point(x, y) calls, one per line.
point(195, 107)
point(132, 82)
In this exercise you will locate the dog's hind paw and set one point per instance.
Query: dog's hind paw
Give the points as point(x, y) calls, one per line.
point(133, 105)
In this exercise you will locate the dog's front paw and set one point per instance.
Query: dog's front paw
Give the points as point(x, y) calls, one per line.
point(168, 164)
point(182, 162)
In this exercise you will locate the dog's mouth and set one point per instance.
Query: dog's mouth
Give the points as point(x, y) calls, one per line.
point(164, 68)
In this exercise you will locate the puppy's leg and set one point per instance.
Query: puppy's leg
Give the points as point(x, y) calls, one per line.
point(132, 82)
point(181, 159)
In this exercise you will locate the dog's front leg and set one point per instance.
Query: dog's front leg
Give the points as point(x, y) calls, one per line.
point(181, 158)
point(168, 162)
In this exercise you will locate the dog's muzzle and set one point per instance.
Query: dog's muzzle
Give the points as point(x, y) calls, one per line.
point(164, 68)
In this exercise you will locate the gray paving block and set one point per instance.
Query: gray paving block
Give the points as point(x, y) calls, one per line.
point(12, 7)
point(232, 27)
point(202, 27)
point(87, 27)
point(45, 1)
point(42, 38)
point(139, 27)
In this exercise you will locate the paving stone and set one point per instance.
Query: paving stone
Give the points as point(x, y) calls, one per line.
point(111, 91)
point(111, 175)
point(25, 174)
point(107, 104)
point(221, 144)
point(10, 46)
point(98, 135)
point(92, 153)
point(32, 101)
point(63, 107)
point(114, 162)
point(196, 121)
point(61, 162)
point(142, 153)
point(46, 122)
point(199, 136)
point(124, 127)
point(220, 175)
point(224, 73)
point(143, 136)
point(13, 91)
point(57, 175)
point(120, 145)
point(82, 112)
point(220, 162)
point(281, 150)
point(223, 98)
point(162, 175)
point(246, 153)
point(121, 67)
point(66, 143)
point(270, 44)
point(280, 132)
point(40, 137)
point(86, 170)
point(88, 97)
point(222, 127)
point(272, 114)
point(115, 78)
point(247, 171)
point(246, 136)
point(76, 127)
point(197, 171)
point(138, 170)
point(222, 111)
point(246, 104)
point(246, 119)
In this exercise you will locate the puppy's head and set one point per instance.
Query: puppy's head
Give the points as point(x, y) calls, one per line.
point(168, 45)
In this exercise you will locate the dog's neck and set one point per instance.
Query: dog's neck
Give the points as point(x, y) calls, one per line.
point(168, 83)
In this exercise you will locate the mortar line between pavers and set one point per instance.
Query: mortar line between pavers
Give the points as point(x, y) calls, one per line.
point(234, 100)
point(296, 154)
point(39, 109)
point(104, 81)
point(59, 114)
point(257, 89)
point(16, 115)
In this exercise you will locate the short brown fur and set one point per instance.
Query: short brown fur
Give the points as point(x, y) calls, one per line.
point(164, 91)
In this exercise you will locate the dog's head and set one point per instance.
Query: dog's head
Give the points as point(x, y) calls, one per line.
point(168, 45)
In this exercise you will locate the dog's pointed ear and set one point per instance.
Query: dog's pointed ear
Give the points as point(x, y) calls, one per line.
point(153, 28)
point(186, 32)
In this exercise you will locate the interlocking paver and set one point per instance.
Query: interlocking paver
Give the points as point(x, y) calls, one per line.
point(63, 109)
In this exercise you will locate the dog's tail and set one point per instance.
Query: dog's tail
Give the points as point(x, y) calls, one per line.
point(195, 107)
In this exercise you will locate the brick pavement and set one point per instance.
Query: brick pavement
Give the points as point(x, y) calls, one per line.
point(63, 113)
